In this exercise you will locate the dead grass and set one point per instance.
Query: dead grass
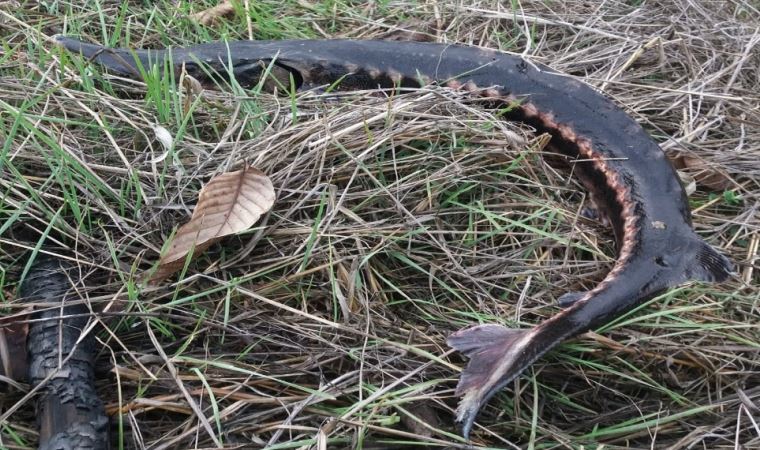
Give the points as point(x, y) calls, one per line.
point(399, 220)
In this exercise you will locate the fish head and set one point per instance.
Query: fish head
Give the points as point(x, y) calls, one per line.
point(686, 258)
point(210, 64)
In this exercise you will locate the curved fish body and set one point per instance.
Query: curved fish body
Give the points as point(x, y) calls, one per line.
point(625, 171)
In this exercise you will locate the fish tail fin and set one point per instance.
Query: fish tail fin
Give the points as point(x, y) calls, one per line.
point(497, 356)
point(120, 61)
point(708, 265)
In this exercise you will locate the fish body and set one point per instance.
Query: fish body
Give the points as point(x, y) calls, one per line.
point(625, 171)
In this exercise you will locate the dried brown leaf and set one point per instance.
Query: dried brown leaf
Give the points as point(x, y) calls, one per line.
point(421, 418)
point(209, 16)
point(230, 203)
point(701, 171)
point(13, 336)
point(192, 89)
point(411, 30)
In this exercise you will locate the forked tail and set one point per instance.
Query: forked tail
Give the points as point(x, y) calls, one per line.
point(497, 355)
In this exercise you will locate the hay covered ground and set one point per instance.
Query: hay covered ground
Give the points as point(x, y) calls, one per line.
point(399, 220)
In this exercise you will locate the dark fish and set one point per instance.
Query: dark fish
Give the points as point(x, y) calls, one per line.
point(627, 174)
